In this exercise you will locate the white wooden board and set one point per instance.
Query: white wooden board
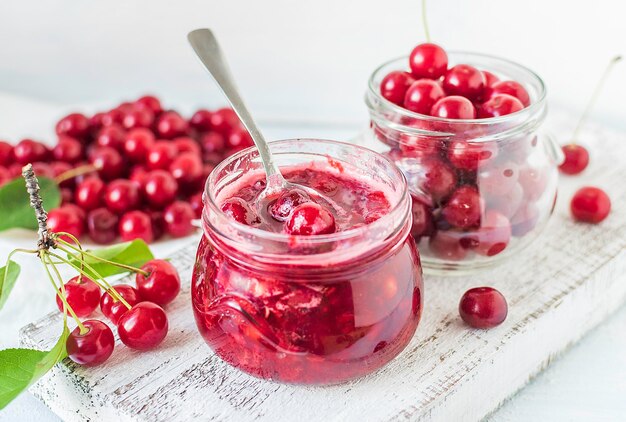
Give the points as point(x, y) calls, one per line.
point(558, 289)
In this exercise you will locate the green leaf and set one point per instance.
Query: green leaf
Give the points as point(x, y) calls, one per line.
point(134, 253)
point(8, 277)
point(15, 210)
point(21, 368)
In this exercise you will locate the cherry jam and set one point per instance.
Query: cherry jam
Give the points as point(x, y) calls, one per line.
point(309, 309)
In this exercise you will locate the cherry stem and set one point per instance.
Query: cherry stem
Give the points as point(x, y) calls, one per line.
point(594, 96)
point(61, 292)
point(425, 21)
point(32, 186)
point(106, 261)
point(77, 171)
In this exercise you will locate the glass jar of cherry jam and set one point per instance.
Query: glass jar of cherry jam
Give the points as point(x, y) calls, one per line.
point(482, 189)
point(318, 309)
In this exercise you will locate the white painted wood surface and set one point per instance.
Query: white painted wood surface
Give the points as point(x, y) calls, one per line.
point(562, 286)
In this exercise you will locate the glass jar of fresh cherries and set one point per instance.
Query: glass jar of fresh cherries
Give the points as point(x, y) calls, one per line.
point(302, 288)
point(467, 136)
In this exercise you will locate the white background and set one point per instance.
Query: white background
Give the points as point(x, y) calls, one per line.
point(305, 63)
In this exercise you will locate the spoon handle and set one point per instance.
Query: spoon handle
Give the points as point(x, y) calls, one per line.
point(208, 50)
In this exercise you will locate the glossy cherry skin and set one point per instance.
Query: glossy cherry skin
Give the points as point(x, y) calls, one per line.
point(224, 120)
point(394, 86)
point(102, 225)
point(93, 347)
point(499, 105)
point(121, 196)
point(111, 136)
point(75, 125)
point(114, 309)
point(490, 78)
point(187, 170)
point(201, 120)
point(590, 205)
point(29, 151)
point(159, 188)
point(422, 96)
point(422, 219)
point(483, 307)
point(240, 211)
point(170, 125)
point(161, 285)
point(137, 144)
point(138, 117)
point(213, 142)
point(512, 88)
point(82, 294)
point(178, 217)
point(576, 159)
point(310, 219)
point(150, 102)
point(143, 327)
point(108, 161)
point(6, 153)
point(197, 204)
point(428, 61)
point(161, 155)
point(136, 225)
point(439, 179)
point(282, 207)
point(464, 80)
point(469, 155)
point(68, 150)
point(464, 208)
point(185, 144)
point(454, 107)
point(88, 193)
point(66, 219)
point(238, 139)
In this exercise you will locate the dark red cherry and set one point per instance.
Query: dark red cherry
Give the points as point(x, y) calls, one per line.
point(185, 144)
point(238, 139)
point(111, 136)
point(464, 80)
point(197, 204)
point(422, 96)
point(590, 205)
point(428, 61)
point(454, 107)
point(82, 294)
point(102, 225)
point(483, 307)
point(469, 155)
point(240, 211)
point(282, 208)
point(137, 144)
point(439, 179)
point(187, 170)
point(499, 105)
point(201, 120)
point(170, 125)
point(6, 153)
point(490, 78)
point(393, 87)
point(178, 217)
point(88, 193)
point(464, 208)
point(113, 309)
point(143, 327)
point(66, 219)
point(68, 150)
point(136, 225)
point(224, 120)
point(108, 161)
point(161, 155)
point(92, 347)
point(310, 219)
point(161, 285)
point(512, 88)
point(121, 196)
point(213, 142)
point(422, 219)
point(150, 102)
point(75, 125)
point(112, 117)
point(576, 159)
point(159, 188)
point(138, 117)
point(29, 151)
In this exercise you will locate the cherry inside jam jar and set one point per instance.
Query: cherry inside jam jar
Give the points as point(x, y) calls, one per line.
point(317, 309)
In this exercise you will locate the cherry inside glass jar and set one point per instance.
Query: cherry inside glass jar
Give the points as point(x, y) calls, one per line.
point(482, 189)
point(317, 309)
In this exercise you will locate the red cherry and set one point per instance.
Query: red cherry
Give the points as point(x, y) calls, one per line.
point(576, 159)
point(88, 193)
point(151, 103)
point(197, 204)
point(158, 224)
point(43, 170)
point(108, 161)
point(512, 88)
point(159, 188)
point(178, 216)
point(187, 170)
point(29, 151)
point(5, 175)
point(102, 225)
point(143, 327)
point(492, 237)
point(310, 219)
point(224, 120)
point(82, 294)
point(66, 219)
point(114, 309)
point(137, 144)
point(161, 285)
point(136, 225)
point(92, 347)
point(499, 105)
point(170, 125)
point(282, 207)
point(483, 307)
point(186, 144)
point(464, 208)
point(121, 196)
point(6, 153)
point(238, 139)
point(161, 155)
point(393, 87)
point(447, 245)
point(112, 117)
point(590, 205)
point(95, 122)
point(454, 107)
point(138, 176)
point(428, 61)
point(469, 155)
point(111, 136)
point(212, 142)
point(422, 219)
point(138, 117)
point(490, 78)
point(240, 211)
point(75, 125)
point(68, 150)
point(464, 80)
point(439, 180)
point(201, 120)
point(422, 96)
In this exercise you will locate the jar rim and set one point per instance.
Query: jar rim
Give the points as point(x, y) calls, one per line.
point(530, 110)
point(384, 223)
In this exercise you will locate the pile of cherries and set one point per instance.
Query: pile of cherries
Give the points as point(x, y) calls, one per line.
point(459, 92)
point(142, 327)
point(136, 170)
